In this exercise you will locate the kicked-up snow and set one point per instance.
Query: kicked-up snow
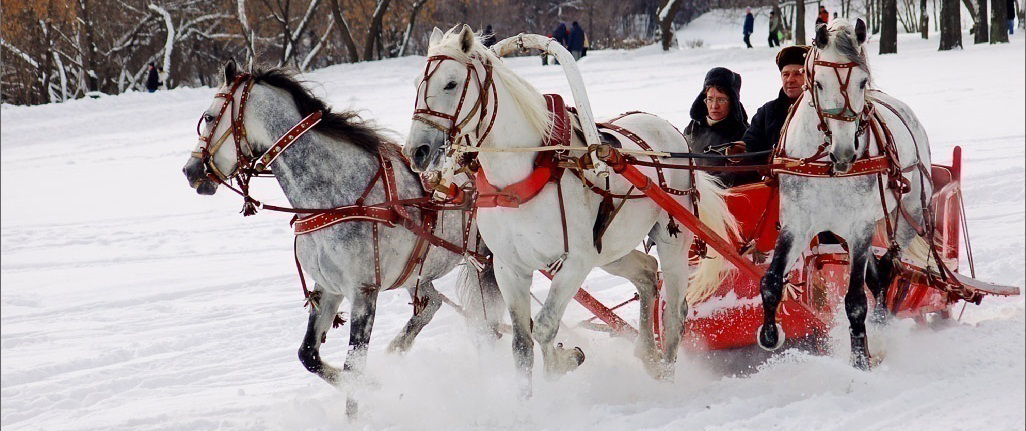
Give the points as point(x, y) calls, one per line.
point(130, 302)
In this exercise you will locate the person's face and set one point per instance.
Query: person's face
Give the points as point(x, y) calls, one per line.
point(792, 76)
point(717, 103)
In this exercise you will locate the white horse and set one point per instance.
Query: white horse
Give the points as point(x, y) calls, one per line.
point(530, 237)
point(840, 117)
point(339, 162)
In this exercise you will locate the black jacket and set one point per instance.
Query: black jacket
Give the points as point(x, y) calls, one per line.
point(764, 133)
point(576, 40)
point(152, 80)
point(701, 136)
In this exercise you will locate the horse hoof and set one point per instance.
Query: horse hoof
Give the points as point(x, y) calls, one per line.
point(578, 355)
point(860, 362)
point(771, 341)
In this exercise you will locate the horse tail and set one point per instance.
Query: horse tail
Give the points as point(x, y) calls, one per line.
point(479, 296)
point(713, 211)
point(919, 252)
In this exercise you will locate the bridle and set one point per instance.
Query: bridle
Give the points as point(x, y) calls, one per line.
point(845, 113)
point(247, 164)
point(486, 104)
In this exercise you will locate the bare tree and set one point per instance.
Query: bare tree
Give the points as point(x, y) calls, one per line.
point(999, 22)
point(666, 14)
point(374, 30)
point(889, 27)
point(799, 22)
point(950, 25)
point(345, 32)
point(924, 20)
point(981, 34)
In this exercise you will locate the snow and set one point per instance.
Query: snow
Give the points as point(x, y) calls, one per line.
point(129, 302)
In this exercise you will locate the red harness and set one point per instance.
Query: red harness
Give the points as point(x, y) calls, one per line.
point(546, 169)
point(390, 212)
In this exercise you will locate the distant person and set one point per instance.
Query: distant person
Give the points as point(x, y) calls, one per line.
point(560, 34)
point(152, 78)
point(764, 132)
point(718, 120)
point(775, 27)
point(1010, 13)
point(575, 43)
point(749, 26)
point(488, 38)
point(587, 45)
point(823, 17)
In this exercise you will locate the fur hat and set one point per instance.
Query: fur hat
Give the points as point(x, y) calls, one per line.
point(794, 54)
point(730, 83)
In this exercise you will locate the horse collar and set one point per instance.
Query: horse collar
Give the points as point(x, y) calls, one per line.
point(546, 168)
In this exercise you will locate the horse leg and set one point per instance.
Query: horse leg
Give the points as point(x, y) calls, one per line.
point(879, 275)
point(772, 286)
point(642, 271)
point(432, 300)
point(565, 283)
point(323, 309)
point(362, 314)
point(855, 300)
point(673, 255)
point(516, 291)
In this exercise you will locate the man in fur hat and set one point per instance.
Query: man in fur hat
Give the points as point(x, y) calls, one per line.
point(718, 119)
point(764, 133)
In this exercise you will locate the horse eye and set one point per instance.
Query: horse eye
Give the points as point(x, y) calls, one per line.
point(819, 86)
point(863, 84)
point(450, 85)
point(208, 118)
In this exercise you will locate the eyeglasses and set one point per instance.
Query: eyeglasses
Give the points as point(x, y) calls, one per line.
point(716, 101)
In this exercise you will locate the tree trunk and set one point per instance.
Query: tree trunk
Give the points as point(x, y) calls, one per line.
point(799, 22)
point(999, 22)
point(247, 31)
point(343, 28)
point(972, 10)
point(889, 27)
point(666, 13)
point(924, 20)
point(950, 25)
point(980, 33)
point(87, 47)
point(409, 26)
point(374, 31)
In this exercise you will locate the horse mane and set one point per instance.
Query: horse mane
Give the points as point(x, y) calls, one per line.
point(524, 95)
point(842, 36)
point(344, 125)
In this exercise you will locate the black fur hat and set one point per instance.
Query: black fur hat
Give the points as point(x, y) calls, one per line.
point(730, 83)
point(794, 54)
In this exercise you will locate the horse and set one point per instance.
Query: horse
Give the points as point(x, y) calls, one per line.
point(878, 172)
point(345, 165)
point(509, 115)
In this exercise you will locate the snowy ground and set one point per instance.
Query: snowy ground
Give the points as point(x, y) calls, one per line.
point(130, 302)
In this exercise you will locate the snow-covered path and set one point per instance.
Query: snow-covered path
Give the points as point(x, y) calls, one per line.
point(130, 302)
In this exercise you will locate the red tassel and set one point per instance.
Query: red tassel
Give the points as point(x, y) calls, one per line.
point(339, 320)
point(672, 228)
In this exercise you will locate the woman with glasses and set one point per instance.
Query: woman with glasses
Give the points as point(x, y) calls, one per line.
point(718, 119)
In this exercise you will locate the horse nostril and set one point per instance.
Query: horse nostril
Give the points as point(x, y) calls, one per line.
point(420, 155)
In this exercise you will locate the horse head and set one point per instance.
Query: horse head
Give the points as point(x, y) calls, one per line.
point(451, 101)
point(212, 162)
point(837, 79)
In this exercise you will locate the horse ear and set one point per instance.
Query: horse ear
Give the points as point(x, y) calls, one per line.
point(466, 38)
point(230, 71)
point(436, 36)
point(860, 31)
point(822, 36)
